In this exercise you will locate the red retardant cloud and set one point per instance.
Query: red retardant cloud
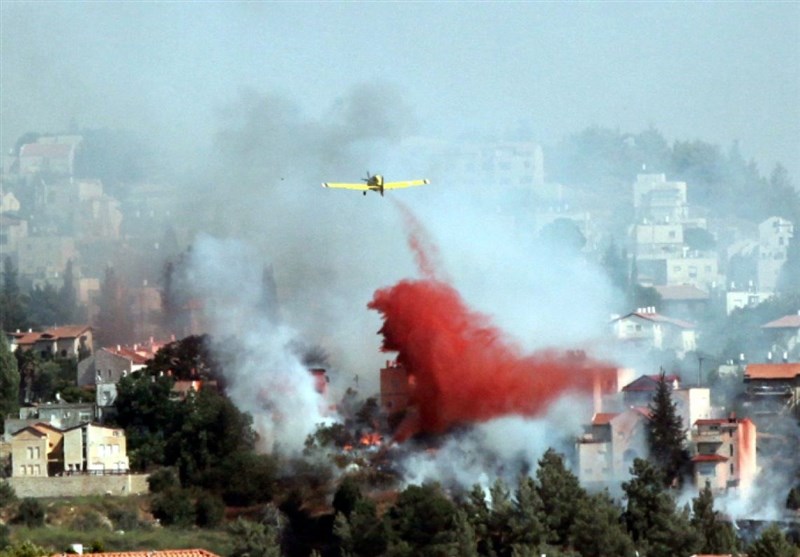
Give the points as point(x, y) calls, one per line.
point(461, 368)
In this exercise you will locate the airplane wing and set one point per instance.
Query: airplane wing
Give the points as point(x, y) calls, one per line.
point(406, 184)
point(360, 187)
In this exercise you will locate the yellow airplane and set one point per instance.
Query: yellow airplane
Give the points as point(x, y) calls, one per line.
point(376, 183)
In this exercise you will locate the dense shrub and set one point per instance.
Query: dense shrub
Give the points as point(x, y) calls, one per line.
point(30, 513)
point(173, 507)
point(209, 510)
point(162, 479)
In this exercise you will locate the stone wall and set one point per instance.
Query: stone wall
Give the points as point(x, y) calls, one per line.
point(75, 486)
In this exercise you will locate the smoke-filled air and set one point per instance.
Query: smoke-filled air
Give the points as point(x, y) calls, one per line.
point(376, 279)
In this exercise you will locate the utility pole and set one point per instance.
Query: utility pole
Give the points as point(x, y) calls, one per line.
point(699, 370)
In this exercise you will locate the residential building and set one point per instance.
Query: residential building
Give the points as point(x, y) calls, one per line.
point(66, 414)
point(49, 158)
point(683, 300)
point(774, 235)
point(784, 333)
point(395, 389)
point(68, 341)
point(658, 200)
point(640, 392)
point(95, 449)
point(658, 241)
point(684, 268)
point(29, 452)
point(736, 299)
point(610, 444)
point(724, 454)
point(110, 364)
point(645, 328)
point(692, 404)
point(772, 388)
point(44, 450)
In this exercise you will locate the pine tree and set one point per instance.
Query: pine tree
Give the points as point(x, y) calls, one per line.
point(651, 517)
point(560, 493)
point(597, 530)
point(526, 521)
point(13, 304)
point(67, 296)
point(771, 543)
point(717, 536)
point(666, 436)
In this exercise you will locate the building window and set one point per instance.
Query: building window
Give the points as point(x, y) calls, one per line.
point(731, 447)
point(731, 468)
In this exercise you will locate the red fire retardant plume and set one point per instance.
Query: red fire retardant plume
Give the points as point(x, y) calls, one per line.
point(460, 367)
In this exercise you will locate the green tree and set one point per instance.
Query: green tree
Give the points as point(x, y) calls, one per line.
point(499, 518)
point(699, 239)
point(254, 539)
point(561, 495)
point(245, 478)
point(772, 543)
point(717, 536)
point(347, 495)
point(68, 297)
point(527, 528)
point(651, 517)
point(148, 415)
point(7, 494)
point(615, 264)
point(44, 306)
point(187, 359)
point(173, 506)
point(209, 510)
point(24, 548)
point(666, 436)
point(466, 544)
point(369, 533)
point(13, 304)
point(9, 381)
point(597, 530)
point(477, 512)
point(30, 513)
point(423, 518)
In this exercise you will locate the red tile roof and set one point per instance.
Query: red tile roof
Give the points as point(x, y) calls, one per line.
point(157, 553)
point(46, 150)
point(603, 418)
point(658, 318)
point(681, 292)
point(772, 371)
point(785, 322)
point(649, 383)
point(66, 331)
point(709, 458)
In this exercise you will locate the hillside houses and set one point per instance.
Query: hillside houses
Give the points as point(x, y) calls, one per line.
point(722, 450)
point(68, 341)
point(645, 328)
point(43, 450)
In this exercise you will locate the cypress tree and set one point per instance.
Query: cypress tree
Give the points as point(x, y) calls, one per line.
point(666, 436)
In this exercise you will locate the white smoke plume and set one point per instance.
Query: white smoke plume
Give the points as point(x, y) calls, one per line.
point(500, 448)
point(265, 376)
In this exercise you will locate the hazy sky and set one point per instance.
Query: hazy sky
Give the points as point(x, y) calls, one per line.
point(716, 71)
